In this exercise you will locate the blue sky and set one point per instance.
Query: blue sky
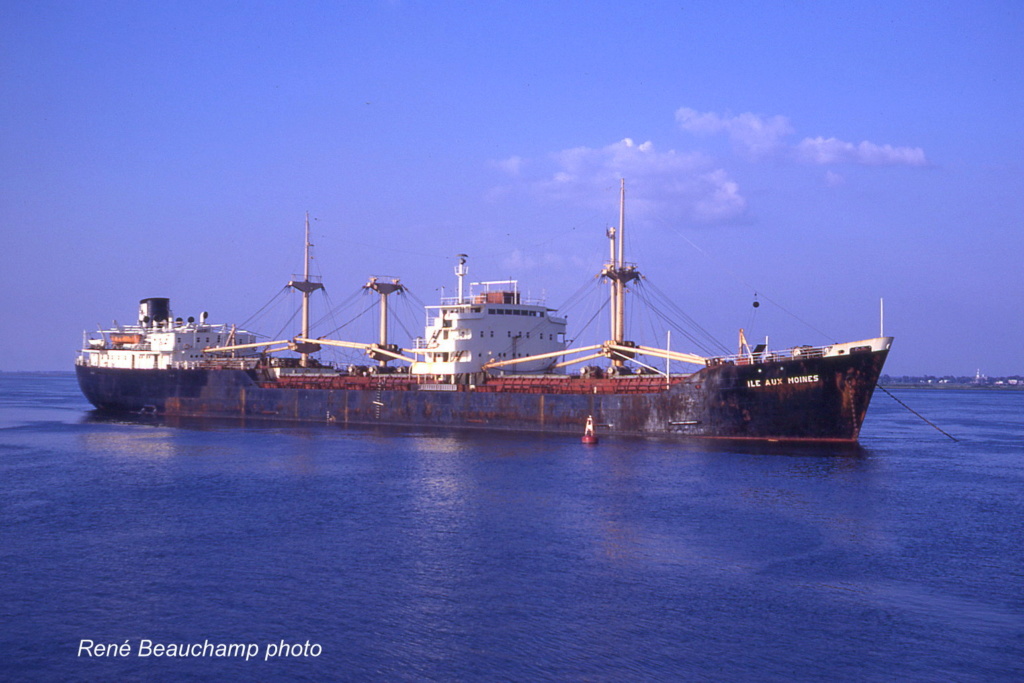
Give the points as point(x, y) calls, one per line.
point(814, 156)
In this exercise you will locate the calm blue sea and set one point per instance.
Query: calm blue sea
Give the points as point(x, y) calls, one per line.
point(470, 557)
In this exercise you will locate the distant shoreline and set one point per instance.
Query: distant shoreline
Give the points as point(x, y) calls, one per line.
point(37, 372)
point(947, 385)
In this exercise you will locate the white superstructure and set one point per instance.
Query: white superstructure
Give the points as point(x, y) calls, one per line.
point(494, 322)
point(159, 341)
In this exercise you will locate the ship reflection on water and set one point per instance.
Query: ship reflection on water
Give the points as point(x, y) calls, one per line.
point(458, 438)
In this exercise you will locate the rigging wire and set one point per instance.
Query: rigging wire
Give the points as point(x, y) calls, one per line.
point(351, 320)
point(334, 311)
point(577, 296)
point(672, 324)
point(288, 323)
point(588, 323)
point(650, 318)
point(419, 302)
point(252, 318)
point(754, 289)
point(333, 351)
point(407, 309)
point(753, 313)
point(700, 337)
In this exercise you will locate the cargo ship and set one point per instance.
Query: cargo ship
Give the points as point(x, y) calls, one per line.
point(489, 359)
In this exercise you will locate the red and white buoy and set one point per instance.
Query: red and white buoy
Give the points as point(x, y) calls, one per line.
point(589, 437)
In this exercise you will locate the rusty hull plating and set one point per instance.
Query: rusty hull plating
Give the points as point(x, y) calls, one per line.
point(820, 399)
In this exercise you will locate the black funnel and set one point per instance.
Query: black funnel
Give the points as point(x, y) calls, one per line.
point(154, 310)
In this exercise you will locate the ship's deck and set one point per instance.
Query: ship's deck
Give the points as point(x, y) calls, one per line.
point(545, 384)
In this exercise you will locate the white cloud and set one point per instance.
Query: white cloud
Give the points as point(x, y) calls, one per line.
point(722, 200)
point(685, 186)
point(821, 150)
point(755, 135)
point(760, 136)
point(517, 261)
point(513, 165)
point(669, 184)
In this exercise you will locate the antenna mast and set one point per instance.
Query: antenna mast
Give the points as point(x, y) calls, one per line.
point(306, 287)
point(619, 333)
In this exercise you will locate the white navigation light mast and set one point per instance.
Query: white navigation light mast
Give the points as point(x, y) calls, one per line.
point(306, 287)
point(461, 271)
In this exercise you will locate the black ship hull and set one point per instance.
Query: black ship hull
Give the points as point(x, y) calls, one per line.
point(820, 399)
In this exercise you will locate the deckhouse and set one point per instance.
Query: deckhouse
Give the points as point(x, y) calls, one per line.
point(159, 341)
point(493, 322)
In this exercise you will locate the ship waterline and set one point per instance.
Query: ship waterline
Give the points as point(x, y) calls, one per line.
point(815, 398)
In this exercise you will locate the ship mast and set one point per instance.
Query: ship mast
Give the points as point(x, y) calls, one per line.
point(619, 273)
point(384, 289)
point(306, 287)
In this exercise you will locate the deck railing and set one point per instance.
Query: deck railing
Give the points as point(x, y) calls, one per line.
point(767, 356)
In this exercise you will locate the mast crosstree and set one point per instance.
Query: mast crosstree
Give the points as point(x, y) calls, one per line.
point(384, 289)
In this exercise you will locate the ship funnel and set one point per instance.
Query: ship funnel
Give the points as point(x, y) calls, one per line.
point(154, 311)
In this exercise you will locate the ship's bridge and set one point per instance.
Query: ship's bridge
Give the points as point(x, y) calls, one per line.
point(495, 322)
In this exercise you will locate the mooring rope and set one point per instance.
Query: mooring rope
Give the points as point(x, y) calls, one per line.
point(917, 413)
